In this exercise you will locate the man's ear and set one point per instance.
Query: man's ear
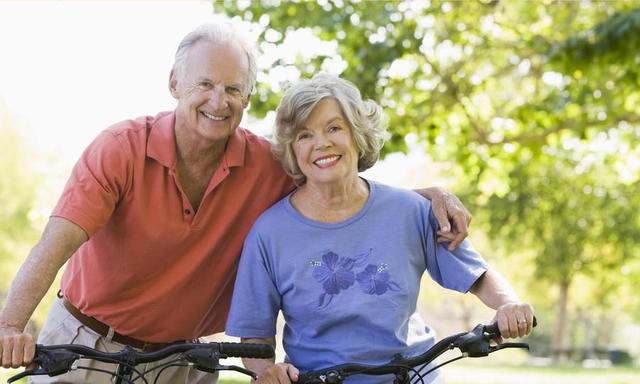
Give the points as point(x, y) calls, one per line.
point(173, 84)
point(245, 102)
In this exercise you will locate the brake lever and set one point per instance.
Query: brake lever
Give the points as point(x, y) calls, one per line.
point(237, 369)
point(32, 372)
point(510, 345)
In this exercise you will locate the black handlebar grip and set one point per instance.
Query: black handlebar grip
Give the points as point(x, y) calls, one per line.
point(256, 351)
point(494, 330)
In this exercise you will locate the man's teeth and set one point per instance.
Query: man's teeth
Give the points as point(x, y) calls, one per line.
point(326, 160)
point(212, 117)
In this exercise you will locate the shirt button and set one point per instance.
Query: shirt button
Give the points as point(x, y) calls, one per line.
point(187, 212)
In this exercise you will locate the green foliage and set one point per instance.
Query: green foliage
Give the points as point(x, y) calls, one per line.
point(17, 199)
point(536, 103)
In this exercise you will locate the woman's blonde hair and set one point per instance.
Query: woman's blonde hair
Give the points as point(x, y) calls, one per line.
point(367, 121)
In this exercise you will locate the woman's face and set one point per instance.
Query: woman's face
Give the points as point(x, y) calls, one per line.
point(324, 147)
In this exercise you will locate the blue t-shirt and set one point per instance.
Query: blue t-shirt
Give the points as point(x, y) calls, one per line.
point(347, 290)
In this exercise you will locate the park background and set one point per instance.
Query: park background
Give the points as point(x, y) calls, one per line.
point(528, 110)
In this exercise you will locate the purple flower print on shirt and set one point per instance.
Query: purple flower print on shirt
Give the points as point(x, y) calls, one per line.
point(335, 274)
point(375, 280)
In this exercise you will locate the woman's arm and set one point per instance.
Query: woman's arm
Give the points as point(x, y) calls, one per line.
point(514, 317)
point(267, 370)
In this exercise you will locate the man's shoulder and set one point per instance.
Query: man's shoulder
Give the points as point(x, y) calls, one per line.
point(257, 153)
point(255, 142)
point(139, 125)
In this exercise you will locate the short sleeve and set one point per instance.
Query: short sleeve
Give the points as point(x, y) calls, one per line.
point(97, 183)
point(457, 269)
point(256, 300)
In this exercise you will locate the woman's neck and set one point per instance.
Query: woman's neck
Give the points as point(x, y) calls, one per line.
point(331, 202)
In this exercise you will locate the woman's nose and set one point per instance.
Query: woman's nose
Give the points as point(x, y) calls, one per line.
point(321, 141)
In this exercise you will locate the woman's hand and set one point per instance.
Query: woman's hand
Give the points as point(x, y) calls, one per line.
point(281, 373)
point(515, 319)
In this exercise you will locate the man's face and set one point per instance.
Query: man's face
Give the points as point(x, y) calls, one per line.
point(211, 91)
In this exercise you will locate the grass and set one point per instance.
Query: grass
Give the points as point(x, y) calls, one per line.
point(478, 373)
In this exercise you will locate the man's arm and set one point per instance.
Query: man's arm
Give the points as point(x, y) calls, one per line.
point(453, 217)
point(60, 239)
point(267, 370)
point(515, 318)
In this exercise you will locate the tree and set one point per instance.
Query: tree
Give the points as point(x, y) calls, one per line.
point(20, 183)
point(535, 105)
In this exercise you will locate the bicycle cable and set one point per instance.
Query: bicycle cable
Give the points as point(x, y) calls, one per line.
point(444, 363)
point(114, 361)
point(130, 381)
point(400, 366)
point(165, 366)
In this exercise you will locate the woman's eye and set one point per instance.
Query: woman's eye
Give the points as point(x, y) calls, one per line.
point(334, 128)
point(303, 136)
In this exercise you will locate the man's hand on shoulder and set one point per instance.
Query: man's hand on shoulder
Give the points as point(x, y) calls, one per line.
point(452, 216)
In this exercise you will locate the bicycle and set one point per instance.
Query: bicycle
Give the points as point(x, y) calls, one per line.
point(475, 343)
point(55, 360)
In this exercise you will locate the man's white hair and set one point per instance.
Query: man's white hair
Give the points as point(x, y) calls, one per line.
point(221, 31)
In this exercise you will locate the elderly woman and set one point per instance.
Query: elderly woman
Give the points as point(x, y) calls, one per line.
point(342, 256)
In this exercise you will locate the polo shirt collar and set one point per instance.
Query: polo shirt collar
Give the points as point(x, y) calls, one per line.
point(234, 153)
point(161, 145)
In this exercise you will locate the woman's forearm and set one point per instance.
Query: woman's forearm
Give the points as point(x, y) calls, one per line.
point(494, 290)
point(259, 366)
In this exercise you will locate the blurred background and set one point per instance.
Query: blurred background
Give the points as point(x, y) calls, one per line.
point(528, 110)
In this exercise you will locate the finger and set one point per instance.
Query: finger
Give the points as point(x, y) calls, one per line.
point(6, 352)
point(503, 324)
point(529, 317)
point(18, 353)
point(293, 372)
point(458, 239)
point(440, 212)
point(29, 352)
point(468, 217)
point(461, 230)
point(283, 374)
point(445, 237)
point(522, 327)
point(513, 325)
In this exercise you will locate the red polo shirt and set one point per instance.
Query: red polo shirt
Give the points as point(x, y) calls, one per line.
point(152, 268)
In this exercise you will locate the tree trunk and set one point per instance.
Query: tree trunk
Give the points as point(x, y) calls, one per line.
point(560, 353)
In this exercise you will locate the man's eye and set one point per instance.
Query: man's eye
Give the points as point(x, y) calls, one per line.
point(234, 90)
point(204, 85)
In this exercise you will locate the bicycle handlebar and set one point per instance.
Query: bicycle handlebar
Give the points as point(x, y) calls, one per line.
point(58, 359)
point(475, 343)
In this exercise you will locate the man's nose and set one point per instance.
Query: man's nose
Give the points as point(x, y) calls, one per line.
point(218, 97)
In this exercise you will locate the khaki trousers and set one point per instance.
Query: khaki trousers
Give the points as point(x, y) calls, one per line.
point(62, 328)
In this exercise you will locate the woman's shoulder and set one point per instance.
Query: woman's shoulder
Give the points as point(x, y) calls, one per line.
point(391, 194)
point(271, 218)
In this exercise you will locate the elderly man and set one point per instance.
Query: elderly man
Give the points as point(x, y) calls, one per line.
point(153, 218)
